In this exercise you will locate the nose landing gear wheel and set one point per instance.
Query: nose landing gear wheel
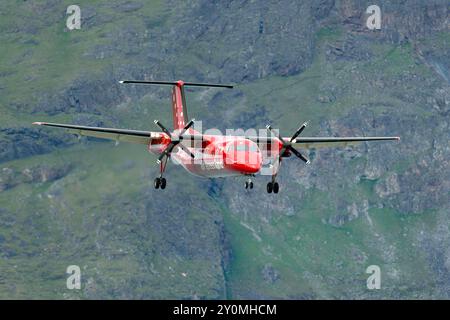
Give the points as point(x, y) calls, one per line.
point(248, 185)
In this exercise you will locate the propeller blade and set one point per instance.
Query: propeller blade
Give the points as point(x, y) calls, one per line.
point(298, 154)
point(299, 130)
point(166, 152)
point(274, 133)
point(285, 144)
point(186, 127)
point(170, 148)
point(163, 128)
point(185, 149)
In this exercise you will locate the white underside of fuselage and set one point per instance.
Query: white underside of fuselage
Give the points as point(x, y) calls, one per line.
point(204, 165)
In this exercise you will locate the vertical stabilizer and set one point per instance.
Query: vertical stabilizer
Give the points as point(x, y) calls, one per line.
point(179, 109)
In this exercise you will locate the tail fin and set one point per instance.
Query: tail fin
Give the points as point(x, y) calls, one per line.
point(180, 116)
point(179, 109)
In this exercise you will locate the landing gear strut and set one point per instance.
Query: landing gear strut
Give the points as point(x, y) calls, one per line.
point(161, 182)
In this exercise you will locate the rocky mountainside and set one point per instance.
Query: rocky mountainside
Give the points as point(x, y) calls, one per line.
point(89, 203)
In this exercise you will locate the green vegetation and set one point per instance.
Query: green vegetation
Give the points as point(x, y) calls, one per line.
point(50, 60)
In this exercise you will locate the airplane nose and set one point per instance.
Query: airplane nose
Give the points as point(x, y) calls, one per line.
point(247, 166)
point(243, 156)
point(252, 168)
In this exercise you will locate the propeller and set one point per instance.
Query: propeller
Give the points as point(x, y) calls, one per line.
point(287, 145)
point(175, 140)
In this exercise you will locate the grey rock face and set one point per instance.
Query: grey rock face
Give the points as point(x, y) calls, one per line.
point(23, 142)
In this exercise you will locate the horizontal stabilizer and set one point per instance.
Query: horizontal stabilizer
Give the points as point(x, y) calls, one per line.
point(179, 83)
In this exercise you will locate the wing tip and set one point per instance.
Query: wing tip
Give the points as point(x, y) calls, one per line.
point(121, 81)
point(397, 138)
point(38, 123)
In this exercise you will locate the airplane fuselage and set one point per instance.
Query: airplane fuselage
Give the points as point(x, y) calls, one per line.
point(215, 156)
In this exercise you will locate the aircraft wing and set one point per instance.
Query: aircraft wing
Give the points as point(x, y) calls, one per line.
point(324, 142)
point(133, 136)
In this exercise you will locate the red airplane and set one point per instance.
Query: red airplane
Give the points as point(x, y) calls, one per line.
point(214, 155)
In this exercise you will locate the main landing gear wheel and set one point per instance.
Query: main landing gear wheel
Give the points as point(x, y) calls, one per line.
point(273, 186)
point(163, 183)
point(160, 183)
point(276, 187)
point(157, 183)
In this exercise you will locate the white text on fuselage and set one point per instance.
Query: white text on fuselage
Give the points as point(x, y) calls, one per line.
point(212, 165)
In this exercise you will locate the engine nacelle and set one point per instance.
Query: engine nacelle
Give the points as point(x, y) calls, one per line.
point(159, 142)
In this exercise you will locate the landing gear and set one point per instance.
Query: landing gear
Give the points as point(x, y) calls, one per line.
point(249, 182)
point(273, 186)
point(276, 187)
point(161, 182)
